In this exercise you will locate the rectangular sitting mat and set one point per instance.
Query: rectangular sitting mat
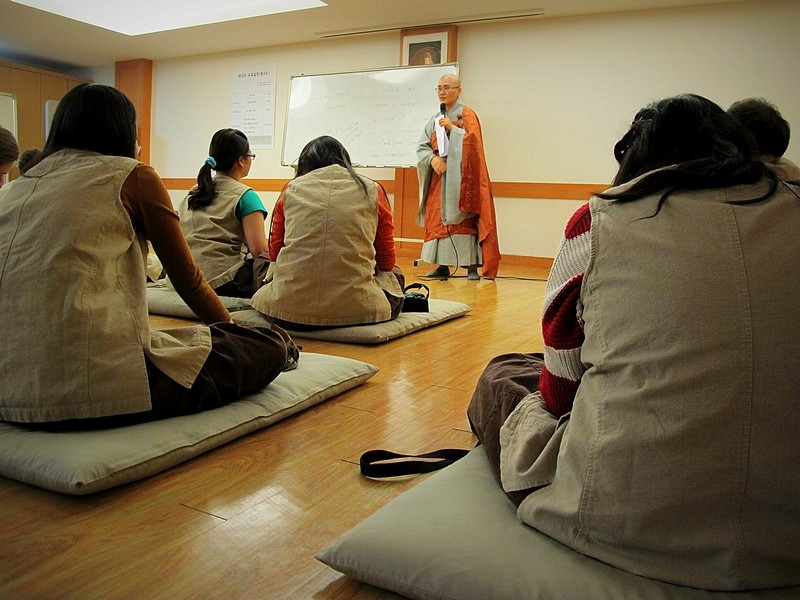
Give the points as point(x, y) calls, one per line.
point(377, 333)
point(455, 536)
point(89, 461)
point(163, 301)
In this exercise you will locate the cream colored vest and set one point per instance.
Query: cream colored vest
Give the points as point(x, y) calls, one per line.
point(326, 272)
point(680, 457)
point(214, 234)
point(74, 320)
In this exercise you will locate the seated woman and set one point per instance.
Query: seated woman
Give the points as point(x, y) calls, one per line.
point(659, 433)
point(331, 246)
point(223, 219)
point(73, 237)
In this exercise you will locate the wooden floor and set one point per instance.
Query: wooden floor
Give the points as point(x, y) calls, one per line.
point(245, 520)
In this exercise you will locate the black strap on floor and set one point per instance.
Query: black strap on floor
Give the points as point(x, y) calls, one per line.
point(373, 463)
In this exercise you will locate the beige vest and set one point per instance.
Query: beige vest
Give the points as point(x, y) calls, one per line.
point(72, 297)
point(326, 272)
point(680, 458)
point(786, 169)
point(214, 234)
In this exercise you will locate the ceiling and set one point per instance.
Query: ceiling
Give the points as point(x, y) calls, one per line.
point(41, 39)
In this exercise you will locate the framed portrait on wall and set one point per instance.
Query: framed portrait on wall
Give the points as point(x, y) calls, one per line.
point(428, 46)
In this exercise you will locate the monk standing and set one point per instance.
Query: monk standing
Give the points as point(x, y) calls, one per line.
point(456, 203)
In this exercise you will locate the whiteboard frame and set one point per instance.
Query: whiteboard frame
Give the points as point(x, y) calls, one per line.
point(444, 68)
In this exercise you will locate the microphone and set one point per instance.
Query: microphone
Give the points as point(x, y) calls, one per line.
point(441, 133)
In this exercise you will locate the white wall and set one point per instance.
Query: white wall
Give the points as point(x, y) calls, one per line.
point(191, 97)
point(553, 95)
point(575, 83)
point(104, 75)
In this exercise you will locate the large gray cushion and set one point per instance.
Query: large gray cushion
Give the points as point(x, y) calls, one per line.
point(162, 300)
point(456, 536)
point(90, 461)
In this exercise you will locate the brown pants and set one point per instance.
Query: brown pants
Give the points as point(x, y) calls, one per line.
point(242, 361)
point(505, 381)
point(242, 285)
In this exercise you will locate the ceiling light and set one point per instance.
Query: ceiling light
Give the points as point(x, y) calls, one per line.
point(150, 16)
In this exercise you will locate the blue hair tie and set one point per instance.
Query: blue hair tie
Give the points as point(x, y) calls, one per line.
point(210, 162)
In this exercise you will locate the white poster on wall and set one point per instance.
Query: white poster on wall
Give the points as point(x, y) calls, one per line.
point(253, 105)
point(50, 107)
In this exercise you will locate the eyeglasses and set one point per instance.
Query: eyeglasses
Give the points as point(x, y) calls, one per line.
point(251, 155)
point(446, 88)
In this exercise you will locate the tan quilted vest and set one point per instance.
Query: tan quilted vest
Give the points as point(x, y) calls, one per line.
point(76, 338)
point(214, 234)
point(680, 457)
point(326, 272)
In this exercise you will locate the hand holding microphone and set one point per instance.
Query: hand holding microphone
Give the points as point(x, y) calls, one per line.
point(444, 120)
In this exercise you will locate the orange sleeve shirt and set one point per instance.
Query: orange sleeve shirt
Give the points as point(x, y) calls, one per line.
point(149, 206)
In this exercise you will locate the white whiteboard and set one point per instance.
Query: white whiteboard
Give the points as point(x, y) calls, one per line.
point(378, 115)
point(8, 113)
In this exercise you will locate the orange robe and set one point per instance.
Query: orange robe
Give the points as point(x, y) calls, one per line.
point(475, 193)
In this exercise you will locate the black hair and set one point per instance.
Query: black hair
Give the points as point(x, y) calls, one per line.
point(323, 152)
point(763, 121)
point(226, 147)
point(94, 117)
point(690, 143)
point(28, 159)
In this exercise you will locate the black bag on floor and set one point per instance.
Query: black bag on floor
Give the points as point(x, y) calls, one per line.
point(416, 301)
point(384, 463)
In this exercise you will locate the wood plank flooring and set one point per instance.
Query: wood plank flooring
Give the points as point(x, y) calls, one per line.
point(245, 520)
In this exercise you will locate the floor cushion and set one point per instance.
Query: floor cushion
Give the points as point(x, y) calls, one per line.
point(85, 462)
point(377, 333)
point(163, 301)
point(455, 536)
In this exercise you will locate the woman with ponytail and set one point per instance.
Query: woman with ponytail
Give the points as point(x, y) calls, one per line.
point(223, 219)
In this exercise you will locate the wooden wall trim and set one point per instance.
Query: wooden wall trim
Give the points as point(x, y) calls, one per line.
point(259, 185)
point(409, 248)
point(500, 189)
point(555, 191)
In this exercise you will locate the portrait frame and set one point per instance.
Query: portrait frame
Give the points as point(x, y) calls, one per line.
point(427, 46)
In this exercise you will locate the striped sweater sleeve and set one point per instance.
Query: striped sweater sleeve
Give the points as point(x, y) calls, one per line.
point(562, 325)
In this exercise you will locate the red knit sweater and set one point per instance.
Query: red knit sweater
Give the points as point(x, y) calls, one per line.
point(562, 325)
